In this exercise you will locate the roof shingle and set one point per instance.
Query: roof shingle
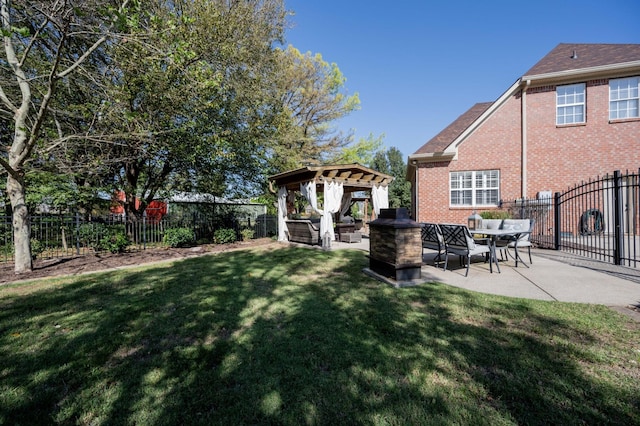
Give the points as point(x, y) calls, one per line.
point(443, 139)
point(586, 56)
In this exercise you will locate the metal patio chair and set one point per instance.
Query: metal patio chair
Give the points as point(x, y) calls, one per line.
point(433, 239)
point(459, 241)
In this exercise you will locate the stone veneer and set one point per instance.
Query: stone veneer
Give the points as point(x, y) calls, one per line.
point(395, 245)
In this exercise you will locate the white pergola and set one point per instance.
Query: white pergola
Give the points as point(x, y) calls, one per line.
point(337, 183)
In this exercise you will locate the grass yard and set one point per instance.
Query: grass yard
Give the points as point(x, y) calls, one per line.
point(294, 336)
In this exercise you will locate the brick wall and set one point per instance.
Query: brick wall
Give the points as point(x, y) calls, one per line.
point(557, 156)
point(561, 156)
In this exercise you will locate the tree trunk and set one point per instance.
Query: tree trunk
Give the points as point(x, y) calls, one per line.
point(21, 226)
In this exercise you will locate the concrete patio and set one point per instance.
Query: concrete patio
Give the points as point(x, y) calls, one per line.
point(552, 276)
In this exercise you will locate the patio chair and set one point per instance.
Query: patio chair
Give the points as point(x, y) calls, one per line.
point(432, 239)
point(493, 224)
point(459, 241)
point(524, 240)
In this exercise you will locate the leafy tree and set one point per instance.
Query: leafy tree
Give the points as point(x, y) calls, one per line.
point(362, 152)
point(191, 93)
point(45, 44)
point(149, 96)
point(391, 163)
point(314, 96)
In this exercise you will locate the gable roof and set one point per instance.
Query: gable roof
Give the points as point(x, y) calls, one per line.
point(569, 57)
point(443, 139)
point(565, 61)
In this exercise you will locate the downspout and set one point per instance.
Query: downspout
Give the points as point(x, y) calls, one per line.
point(416, 202)
point(523, 180)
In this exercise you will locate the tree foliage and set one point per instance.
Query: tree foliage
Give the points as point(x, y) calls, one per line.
point(390, 162)
point(314, 96)
point(362, 152)
point(46, 43)
point(190, 92)
point(149, 96)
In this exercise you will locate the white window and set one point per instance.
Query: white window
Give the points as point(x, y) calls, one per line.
point(623, 98)
point(570, 104)
point(474, 188)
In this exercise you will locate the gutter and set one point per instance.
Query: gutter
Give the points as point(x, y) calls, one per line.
point(609, 71)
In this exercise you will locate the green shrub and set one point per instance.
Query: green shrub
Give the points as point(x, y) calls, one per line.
point(90, 234)
point(495, 214)
point(115, 242)
point(178, 237)
point(6, 250)
point(99, 236)
point(37, 247)
point(247, 234)
point(224, 236)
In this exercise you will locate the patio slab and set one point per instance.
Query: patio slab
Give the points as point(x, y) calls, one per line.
point(552, 276)
point(545, 279)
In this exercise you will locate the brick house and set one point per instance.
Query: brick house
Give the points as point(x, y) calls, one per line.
point(572, 117)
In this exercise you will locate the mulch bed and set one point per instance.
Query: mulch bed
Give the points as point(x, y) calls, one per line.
point(102, 261)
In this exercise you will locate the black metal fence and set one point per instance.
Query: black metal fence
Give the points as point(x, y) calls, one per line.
point(599, 219)
point(64, 235)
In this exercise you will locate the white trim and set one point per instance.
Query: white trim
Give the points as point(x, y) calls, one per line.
point(526, 80)
point(571, 105)
point(453, 146)
point(602, 69)
point(475, 189)
point(627, 100)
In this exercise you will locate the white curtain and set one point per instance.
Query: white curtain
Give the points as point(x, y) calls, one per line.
point(332, 199)
point(346, 203)
point(282, 214)
point(308, 190)
point(380, 197)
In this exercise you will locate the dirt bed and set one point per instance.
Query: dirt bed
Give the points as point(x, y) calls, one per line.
point(103, 261)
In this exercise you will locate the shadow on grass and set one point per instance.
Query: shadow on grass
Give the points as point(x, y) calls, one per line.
point(297, 336)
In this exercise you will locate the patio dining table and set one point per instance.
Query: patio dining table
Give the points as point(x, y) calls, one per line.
point(494, 234)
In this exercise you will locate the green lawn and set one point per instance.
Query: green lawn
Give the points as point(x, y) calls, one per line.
point(296, 336)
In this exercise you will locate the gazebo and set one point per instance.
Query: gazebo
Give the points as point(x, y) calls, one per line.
point(337, 183)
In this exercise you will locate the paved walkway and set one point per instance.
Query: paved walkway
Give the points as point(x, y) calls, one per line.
point(552, 276)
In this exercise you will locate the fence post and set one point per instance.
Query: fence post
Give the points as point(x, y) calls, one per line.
point(556, 220)
point(144, 230)
point(77, 233)
point(617, 218)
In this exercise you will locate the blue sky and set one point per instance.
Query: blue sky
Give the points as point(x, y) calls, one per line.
point(419, 65)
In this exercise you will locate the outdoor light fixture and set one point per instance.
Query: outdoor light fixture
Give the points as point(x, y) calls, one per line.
point(474, 221)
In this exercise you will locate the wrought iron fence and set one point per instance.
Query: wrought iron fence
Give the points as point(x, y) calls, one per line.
point(599, 219)
point(57, 236)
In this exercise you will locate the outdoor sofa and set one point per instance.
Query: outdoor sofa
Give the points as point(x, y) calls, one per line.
point(303, 231)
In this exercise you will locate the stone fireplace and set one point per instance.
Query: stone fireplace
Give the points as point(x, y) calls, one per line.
point(395, 245)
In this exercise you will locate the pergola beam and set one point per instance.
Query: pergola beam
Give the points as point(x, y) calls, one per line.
point(353, 176)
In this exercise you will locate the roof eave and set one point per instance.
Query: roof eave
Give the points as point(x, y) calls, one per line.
point(429, 157)
point(432, 157)
point(610, 71)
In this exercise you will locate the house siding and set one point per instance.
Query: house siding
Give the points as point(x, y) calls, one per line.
point(561, 156)
point(495, 145)
point(557, 157)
